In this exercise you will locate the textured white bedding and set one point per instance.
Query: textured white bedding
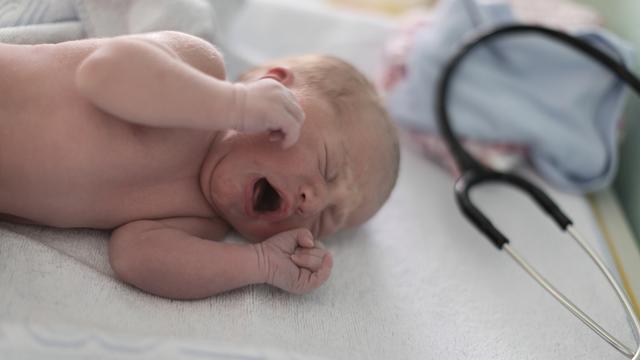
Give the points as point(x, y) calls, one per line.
point(417, 282)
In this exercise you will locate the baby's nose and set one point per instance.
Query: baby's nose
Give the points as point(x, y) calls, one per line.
point(310, 201)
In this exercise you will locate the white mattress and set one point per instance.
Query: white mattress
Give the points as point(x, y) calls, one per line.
point(416, 282)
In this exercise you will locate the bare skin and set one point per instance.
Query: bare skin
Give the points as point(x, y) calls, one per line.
point(136, 134)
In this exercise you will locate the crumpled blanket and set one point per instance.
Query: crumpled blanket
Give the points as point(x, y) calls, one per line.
point(52, 21)
point(522, 95)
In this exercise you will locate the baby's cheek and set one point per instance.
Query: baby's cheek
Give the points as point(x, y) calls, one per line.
point(329, 232)
point(251, 232)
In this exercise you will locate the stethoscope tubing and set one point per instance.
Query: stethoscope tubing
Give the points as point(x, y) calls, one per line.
point(474, 173)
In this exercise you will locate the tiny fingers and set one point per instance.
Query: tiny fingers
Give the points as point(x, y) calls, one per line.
point(309, 258)
point(304, 238)
point(309, 280)
point(295, 117)
point(295, 109)
point(291, 136)
point(320, 276)
point(276, 135)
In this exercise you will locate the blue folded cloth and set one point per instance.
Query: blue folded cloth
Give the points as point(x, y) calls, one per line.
point(522, 89)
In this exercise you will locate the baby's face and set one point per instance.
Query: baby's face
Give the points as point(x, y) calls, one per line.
point(325, 182)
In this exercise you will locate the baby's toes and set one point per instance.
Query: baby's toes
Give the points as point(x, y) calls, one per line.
point(309, 258)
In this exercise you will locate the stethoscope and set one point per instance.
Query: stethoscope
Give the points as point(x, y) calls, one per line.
point(474, 173)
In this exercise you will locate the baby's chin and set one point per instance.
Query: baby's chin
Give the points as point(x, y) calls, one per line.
point(255, 236)
point(256, 232)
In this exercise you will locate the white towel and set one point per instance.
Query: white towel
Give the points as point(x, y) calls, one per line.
point(417, 282)
point(52, 21)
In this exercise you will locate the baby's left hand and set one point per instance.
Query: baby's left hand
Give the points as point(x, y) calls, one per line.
point(292, 261)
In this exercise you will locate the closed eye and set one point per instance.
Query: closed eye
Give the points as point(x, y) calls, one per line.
point(330, 177)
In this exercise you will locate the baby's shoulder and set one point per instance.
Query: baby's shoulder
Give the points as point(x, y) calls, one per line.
point(193, 50)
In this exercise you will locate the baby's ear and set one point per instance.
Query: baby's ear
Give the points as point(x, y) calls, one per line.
point(282, 74)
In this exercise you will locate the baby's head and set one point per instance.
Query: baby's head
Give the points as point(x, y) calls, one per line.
point(338, 174)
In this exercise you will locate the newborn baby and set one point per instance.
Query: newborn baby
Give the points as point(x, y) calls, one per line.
point(142, 134)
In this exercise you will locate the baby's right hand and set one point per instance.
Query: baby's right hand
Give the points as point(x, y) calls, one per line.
point(292, 262)
point(267, 105)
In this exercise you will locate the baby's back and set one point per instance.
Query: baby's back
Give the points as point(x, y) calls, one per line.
point(65, 163)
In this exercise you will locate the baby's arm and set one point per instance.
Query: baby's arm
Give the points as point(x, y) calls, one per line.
point(171, 79)
point(162, 258)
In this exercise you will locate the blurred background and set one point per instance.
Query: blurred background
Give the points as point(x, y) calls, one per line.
point(619, 16)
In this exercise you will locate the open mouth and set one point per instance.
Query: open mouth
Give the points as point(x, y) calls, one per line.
point(265, 197)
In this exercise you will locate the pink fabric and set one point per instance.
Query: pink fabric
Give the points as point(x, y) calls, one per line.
point(496, 156)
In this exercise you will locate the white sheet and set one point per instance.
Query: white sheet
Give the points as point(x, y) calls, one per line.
point(417, 282)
